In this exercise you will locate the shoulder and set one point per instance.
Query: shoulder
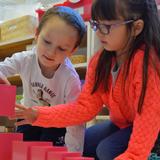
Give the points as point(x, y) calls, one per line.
point(94, 59)
point(137, 63)
point(24, 55)
point(138, 58)
point(30, 54)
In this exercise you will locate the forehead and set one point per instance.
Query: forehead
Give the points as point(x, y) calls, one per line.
point(58, 28)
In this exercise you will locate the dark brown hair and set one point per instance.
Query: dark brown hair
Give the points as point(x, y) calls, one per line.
point(150, 36)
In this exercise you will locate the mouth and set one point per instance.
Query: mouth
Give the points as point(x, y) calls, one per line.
point(47, 58)
point(103, 42)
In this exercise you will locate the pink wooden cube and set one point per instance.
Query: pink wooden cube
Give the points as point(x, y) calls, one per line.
point(7, 100)
point(22, 150)
point(40, 152)
point(61, 155)
point(78, 158)
point(6, 140)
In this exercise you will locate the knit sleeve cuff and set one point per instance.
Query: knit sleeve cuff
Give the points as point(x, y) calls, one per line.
point(43, 117)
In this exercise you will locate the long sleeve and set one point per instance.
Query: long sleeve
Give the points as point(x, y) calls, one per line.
point(16, 63)
point(11, 65)
point(146, 125)
point(83, 109)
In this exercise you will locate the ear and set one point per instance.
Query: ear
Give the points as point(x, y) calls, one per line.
point(35, 38)
point(138, 27)
point(36, 35)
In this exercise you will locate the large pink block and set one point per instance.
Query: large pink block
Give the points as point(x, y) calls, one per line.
point(40, 152)
point(6, 140)
point(22, 150)
point(61, 155)
point(7, 100)
point(78, 158)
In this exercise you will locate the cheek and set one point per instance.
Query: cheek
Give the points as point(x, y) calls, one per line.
point(41, 45)
point(60, 56)
point(59, 60)
point(118, 43)
point(119, 37)
point(39, 50)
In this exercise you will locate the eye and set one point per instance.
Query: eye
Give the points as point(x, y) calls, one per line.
point(108, 26)
point(47, 42)
point(61, 49)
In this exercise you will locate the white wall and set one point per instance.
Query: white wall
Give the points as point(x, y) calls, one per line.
point(28, 7)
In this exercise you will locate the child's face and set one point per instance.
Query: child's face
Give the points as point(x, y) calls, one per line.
point(116, 39)
point(55, 42)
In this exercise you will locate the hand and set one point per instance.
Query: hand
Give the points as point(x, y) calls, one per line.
point(4, 81)
point(28, 114)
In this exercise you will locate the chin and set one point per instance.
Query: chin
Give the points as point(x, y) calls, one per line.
point(108, 49)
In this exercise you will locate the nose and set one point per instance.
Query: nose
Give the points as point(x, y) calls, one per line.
point(51, 51)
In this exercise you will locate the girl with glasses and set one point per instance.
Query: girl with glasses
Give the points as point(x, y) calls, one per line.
point(125, 76)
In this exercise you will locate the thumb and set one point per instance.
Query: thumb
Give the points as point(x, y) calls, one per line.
point(4, 81)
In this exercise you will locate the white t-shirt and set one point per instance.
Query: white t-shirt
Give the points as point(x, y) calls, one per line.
point(38, 90)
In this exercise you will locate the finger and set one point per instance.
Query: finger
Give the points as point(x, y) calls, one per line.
point(17, 116)
point(19, 106)
point(23, 122)
point(19, 112)
point(4, 81)
point(12, 118)
point(7, 82)
point(20, 117)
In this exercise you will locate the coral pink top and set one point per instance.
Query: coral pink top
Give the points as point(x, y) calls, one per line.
point(122, 107)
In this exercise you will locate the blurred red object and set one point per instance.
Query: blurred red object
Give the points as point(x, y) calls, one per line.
point(83, 7)
point(6, 140)
point(7, 99)
point(40, 13)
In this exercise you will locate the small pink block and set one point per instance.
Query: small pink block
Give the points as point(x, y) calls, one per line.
point(40, 152)
point(22, 150)
point(6, 140)
point(7, 100)
point(78, 158)
point(61, 155)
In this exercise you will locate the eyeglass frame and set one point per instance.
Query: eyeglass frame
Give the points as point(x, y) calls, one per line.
point(95, 25)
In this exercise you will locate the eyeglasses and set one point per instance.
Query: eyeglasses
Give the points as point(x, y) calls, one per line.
point(104, 28)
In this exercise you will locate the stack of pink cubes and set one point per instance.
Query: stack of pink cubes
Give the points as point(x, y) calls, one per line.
point(7, 103)
point(12, 146)
point(43, 151)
